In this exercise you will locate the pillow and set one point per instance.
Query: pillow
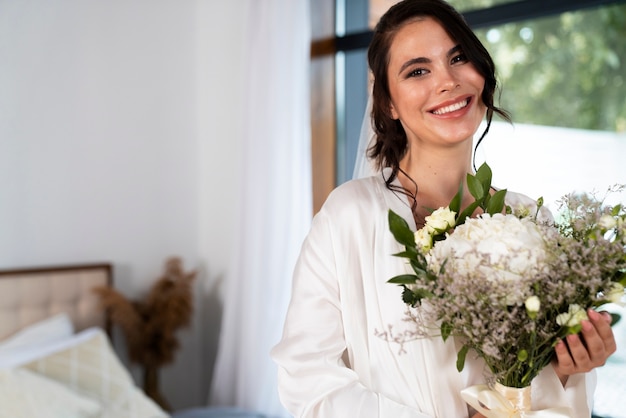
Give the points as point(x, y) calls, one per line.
point(91, 368)
point(24, 394)
point(49, 330)
point(14, 357)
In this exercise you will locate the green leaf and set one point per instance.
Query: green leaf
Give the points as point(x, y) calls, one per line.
point(403, 279)
point(455, 204)
point(484, 175)
point(414, 298)
point(460, 358)
point(496, 203)
point(615, 318)
point(409, 253)
point(401, 230)
point(475, 187)
point(466, 213)
point(446, 330)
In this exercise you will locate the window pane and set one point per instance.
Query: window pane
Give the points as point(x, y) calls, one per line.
point(568, 70)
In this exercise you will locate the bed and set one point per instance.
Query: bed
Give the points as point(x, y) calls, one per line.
point(56, 356)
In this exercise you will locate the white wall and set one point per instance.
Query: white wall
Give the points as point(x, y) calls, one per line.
point(118, 131)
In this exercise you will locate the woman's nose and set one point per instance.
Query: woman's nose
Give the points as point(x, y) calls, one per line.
point(447, 80)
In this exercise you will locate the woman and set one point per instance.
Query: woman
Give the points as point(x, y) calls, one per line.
point(343, 352)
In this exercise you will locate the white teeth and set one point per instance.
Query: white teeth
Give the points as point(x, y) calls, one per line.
point(451, 108)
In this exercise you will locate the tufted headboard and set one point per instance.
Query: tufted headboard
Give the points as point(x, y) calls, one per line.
point(28, 295)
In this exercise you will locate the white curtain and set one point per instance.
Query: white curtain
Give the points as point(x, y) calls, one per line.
point(276, 204)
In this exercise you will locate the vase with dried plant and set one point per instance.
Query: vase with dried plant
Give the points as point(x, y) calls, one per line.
point(149, 326)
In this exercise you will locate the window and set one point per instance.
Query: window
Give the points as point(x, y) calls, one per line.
point(560, 65)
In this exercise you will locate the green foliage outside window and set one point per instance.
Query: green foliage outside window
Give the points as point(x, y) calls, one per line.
point(568, 70)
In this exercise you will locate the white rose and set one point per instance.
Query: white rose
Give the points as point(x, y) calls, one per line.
point(440, 220)
point(423, 239)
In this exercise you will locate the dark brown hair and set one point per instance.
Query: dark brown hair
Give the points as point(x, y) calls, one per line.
point(391, 141)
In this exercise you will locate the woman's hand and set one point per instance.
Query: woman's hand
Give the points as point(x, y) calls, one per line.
point(587, 350)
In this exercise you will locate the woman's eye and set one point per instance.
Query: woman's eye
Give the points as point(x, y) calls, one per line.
point(418, 72)
point(459, 58)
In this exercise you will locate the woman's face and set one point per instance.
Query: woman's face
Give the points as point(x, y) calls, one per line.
point(435, 90)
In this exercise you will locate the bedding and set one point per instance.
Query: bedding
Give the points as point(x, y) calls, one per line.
point(83, 368)
point(56, 328)
point(23, 392)
point(87, 364)
point(56, 360)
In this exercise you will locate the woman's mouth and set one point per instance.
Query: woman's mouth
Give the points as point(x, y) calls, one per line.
point(451, 108)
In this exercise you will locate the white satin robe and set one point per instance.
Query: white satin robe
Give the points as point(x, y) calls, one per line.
point(332, 361)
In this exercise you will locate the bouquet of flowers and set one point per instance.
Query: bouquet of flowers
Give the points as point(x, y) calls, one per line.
point(507, 283)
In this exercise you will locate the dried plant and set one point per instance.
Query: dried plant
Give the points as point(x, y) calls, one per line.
point(149, 326)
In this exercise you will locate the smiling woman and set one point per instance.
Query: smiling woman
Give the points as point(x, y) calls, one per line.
point(433, 83)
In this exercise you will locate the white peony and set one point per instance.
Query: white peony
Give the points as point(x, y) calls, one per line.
point(498, 248)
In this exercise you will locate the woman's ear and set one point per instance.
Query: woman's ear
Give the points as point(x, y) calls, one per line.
point(392, 112)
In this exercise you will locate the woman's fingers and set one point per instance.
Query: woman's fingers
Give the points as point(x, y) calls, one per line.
point(587, 350)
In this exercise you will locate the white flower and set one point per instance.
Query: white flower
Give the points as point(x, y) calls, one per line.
point(607, 222)
point(521, 210)
point(616, 294)
point(440, 220)
point(532, 306)
point(502, 249)
point(423, 239)
point(573, 317)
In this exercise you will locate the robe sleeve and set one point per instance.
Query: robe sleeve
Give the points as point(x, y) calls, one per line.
point(314, 377)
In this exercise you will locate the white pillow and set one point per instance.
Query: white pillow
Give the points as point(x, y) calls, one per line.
point(88, 365)
point(50, 329)
point(28, 353)
point(24, 394)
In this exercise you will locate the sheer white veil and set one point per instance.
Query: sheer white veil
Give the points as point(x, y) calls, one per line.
point(363, 165)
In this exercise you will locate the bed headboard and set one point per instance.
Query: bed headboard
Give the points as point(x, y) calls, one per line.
point(28, 295)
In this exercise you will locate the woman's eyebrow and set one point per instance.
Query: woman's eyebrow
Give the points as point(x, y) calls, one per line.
point(424, 60)
point(454, 50)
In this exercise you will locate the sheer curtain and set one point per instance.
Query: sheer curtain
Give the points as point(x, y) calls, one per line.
point(276, 204)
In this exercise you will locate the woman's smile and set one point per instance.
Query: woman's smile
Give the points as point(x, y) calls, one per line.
point(452, 108)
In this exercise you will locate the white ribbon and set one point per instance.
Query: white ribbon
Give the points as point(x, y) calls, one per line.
point(493, 405)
